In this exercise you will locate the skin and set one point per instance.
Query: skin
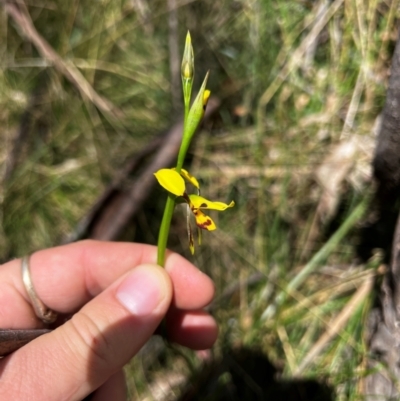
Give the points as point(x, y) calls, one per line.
point(85, 280)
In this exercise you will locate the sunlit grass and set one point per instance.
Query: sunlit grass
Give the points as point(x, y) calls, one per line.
point(296, 79)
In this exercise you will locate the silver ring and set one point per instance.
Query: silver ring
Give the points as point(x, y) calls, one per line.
point(45, 314)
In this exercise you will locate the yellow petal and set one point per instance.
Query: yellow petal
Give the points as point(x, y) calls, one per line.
point(185, 174)
point(171, 181)
point(206, 96)
point(198, 202)
point(203, 221)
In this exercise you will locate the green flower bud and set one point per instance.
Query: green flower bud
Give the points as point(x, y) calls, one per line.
point(187, 69)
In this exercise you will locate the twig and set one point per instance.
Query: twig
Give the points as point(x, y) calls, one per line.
point(11, 340)
point(24, 22)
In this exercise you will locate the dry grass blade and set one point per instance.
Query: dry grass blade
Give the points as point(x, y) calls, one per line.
point(287, 347)
point(24, 22)
point(354, 104)
point(315, 261)
point(296, 57)
point(336, 168)
point(333, 171)
point(336, 325)
point(312, 302)
point(174, 55)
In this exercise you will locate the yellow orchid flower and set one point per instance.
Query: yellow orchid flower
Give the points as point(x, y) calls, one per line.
point(174, 183)
point(174, 180)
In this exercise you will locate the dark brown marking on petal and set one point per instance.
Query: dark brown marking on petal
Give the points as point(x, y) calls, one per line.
point(191, 240)
point(203, 205)
point(204, 225)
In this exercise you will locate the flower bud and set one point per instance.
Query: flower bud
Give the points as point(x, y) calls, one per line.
point(187, 70)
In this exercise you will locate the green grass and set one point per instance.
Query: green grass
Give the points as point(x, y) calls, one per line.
point(293, 89)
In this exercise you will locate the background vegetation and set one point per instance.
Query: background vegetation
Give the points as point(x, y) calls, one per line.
point(302, 85)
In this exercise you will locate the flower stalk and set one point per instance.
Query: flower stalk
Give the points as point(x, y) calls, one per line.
point(173, 180)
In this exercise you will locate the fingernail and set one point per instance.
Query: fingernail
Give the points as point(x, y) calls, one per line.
point(140, 292)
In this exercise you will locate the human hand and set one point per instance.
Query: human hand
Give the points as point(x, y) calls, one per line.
point(118, 296)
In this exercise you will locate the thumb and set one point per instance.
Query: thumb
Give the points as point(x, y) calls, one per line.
point(94, 344)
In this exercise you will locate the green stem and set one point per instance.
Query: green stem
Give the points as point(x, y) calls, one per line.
point(164, 231)
point(169, 207)
point(167, 217)
point(184, 146)
point(187, 104)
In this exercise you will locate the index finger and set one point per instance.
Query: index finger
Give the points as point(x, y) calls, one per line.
point(67, 277)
